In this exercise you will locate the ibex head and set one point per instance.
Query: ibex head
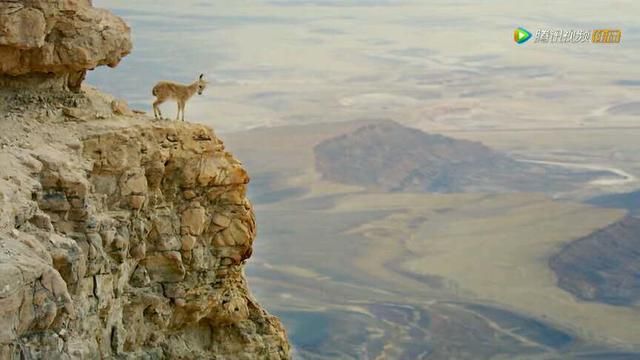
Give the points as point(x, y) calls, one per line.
point(202, 84)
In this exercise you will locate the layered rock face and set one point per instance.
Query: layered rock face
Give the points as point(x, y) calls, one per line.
point(133, 248)
point(52, 43)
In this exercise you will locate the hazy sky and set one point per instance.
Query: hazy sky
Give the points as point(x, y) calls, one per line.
point(433, 64)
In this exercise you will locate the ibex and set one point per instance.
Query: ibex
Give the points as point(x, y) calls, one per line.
point(165, 90)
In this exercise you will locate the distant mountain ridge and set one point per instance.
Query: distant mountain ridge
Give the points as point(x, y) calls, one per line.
point(387, 156)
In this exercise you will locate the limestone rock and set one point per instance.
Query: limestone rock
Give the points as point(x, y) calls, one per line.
point(121, 107)
point(188, 242)
point(134, 244)
point(58, 40)
point(32, 292)
point(193, 220)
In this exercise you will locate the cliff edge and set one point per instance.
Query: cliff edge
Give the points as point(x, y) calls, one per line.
point(120, 236)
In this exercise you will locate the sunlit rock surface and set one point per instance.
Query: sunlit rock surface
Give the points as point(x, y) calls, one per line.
point(53, 43)
point(130, 243)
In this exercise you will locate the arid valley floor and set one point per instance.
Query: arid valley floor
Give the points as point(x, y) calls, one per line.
point(396, 275)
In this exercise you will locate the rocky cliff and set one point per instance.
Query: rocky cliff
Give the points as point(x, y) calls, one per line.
point(121, 237)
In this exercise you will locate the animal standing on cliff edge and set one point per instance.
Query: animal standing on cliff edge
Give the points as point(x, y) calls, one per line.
point(181, 93)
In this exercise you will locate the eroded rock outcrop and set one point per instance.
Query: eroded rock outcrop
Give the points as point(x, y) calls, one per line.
point(131, 245)
point(52, 43)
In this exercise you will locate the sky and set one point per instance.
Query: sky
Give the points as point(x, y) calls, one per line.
point(437, 65)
